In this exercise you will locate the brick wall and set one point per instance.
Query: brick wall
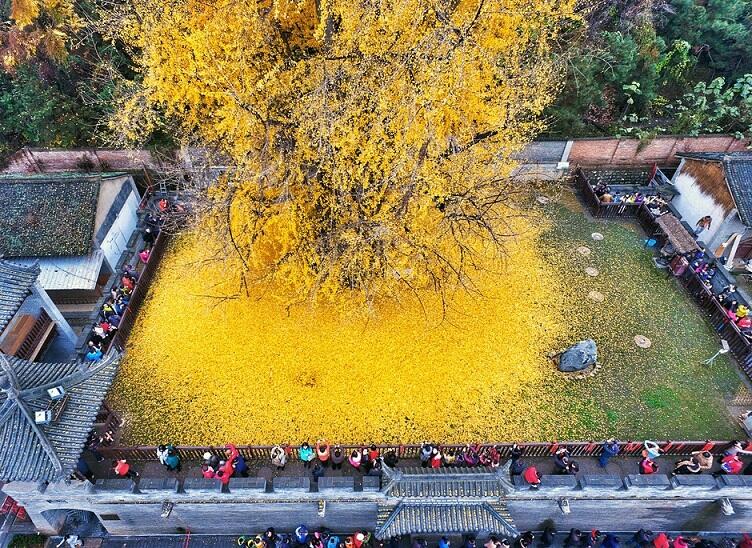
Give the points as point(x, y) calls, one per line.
point(33, 160)
point(661, 150)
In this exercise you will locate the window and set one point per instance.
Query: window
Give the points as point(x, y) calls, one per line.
point(109, 517)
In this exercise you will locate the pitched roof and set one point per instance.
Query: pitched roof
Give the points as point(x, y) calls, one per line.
point(542, 152)
point(15, 286)
point(32, 452)
point(737, 168)
point(45, 217)
point(477, 482)
point(409, 518)
point(71, 272)
point(617, 176)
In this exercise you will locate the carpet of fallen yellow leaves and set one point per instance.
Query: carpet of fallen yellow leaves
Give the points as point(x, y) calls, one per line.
point(202, 369)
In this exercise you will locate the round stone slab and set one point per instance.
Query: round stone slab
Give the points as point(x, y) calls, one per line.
point(583, 250)
point(596, 296)
point(597, 236)
point(591, 271)
point(543, 200)
point(642, 341)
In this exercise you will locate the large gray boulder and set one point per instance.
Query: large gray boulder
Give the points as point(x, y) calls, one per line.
point(582, 355)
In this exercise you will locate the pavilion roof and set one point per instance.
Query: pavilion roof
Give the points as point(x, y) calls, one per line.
point(49, 452)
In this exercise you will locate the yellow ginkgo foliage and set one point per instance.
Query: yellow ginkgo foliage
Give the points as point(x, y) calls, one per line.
point(370, 142)
point(38, 28)
point(201, 368)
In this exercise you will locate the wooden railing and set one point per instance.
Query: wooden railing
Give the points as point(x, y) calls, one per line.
point(533, 449)
point(138, 296)
point(740, 346)
point(602, 210)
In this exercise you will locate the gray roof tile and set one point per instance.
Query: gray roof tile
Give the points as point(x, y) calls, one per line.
point(15, 285)
point(29, 452)
point(47, 217)
point(455, 518)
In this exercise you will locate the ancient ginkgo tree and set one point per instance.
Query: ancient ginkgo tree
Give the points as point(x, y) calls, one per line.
point(370, 141)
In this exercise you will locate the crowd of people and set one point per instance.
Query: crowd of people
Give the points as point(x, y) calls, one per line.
point(657, 205)
point(696, 463)
point(302, 537)
point(736, 311)
point(112, 310)
point(213, 467)
point(322, 456)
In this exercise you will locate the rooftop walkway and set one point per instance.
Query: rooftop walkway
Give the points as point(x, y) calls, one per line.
point(621, 466)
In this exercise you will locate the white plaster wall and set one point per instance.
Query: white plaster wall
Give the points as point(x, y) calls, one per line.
point(108, 191)
point(693, 204)
point(117, 238)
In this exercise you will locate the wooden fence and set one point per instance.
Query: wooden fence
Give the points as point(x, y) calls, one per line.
point(533, 449)
point(740, 346)
point(601, 210)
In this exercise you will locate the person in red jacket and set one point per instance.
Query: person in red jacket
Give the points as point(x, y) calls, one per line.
point(679, 542)
point(532, 476)
point(647, 466)
point(224, 473)
point(661, 541)
point(123, 469)
point(731, 464)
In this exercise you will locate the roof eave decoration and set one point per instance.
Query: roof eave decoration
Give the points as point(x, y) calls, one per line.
point(483, 481)
point(48, 452)
point(445, 518)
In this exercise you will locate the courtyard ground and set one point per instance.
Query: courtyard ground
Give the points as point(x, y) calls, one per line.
point(207, 364)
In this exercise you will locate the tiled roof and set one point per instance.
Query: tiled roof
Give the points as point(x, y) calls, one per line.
point(47, 217)
point(737, 167)
point(478, 482)
point(15, 285)
point(71, 272)
point(32, 452)
point(411, 518)
point(542, 152)
point(617, 176)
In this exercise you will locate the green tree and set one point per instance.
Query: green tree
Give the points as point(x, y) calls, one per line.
point(720, 32)
point(33, 111)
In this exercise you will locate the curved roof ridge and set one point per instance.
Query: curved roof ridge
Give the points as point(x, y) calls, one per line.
point(47, 452)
